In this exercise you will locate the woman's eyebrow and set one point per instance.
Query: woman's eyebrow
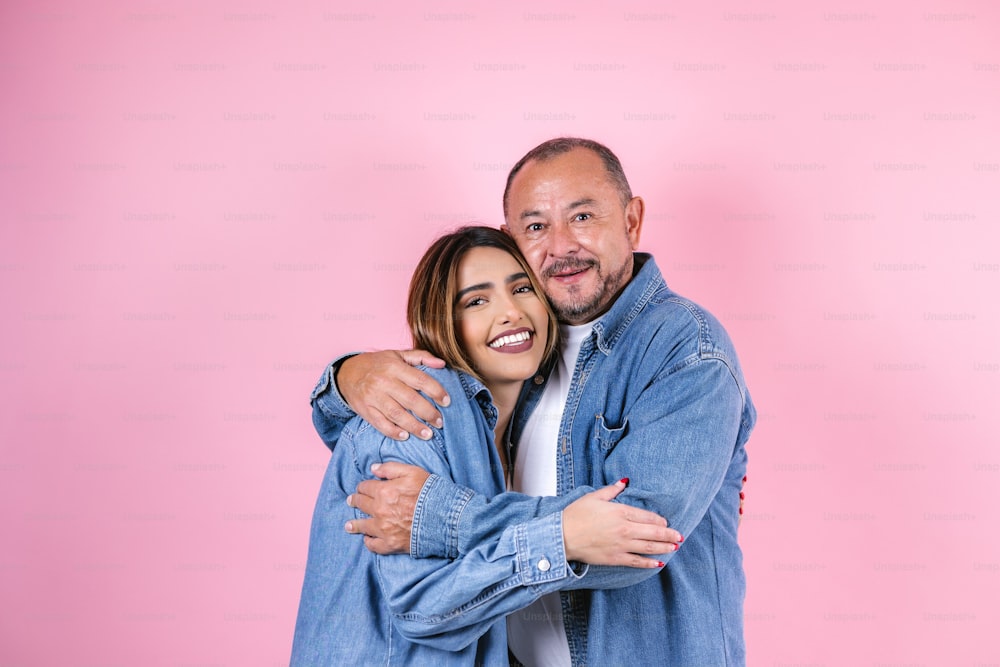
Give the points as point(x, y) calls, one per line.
point(480, 286)
point(472, 288)
point(515, 277)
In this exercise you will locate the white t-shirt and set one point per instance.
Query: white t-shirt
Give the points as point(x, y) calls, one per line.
point(535, 634)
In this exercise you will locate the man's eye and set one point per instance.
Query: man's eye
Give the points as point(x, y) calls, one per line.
point(581, 217)
point(535, 227)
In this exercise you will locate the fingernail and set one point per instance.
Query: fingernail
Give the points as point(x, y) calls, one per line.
point(742, 496)
point(680, 540)
point(623, 480)
point(744, 479)
point(349, 500)
point(403, 435)
point(439, 423)
point(660, 563)
point(376, 466)
point(425, 434)
point(349, 527)
point(446, 401)
point(741, 511)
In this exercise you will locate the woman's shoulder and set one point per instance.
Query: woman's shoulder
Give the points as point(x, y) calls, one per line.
point(462, 389)
point(458, 384)
point(468, 396)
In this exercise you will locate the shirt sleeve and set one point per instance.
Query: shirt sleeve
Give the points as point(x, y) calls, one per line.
point(676, 445)
point(677, 449)
point(450, 603)
point(330, 411)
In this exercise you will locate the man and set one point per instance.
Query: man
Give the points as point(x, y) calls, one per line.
point(648, 387)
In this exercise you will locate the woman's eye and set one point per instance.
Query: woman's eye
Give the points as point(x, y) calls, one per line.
point(524, 289)
point(475, 301)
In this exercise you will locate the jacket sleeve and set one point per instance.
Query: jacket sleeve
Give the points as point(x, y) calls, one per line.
point(677, 447)
point(450, 603)
point(330, 412)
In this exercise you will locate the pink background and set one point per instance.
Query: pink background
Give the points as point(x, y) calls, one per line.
point(202, 203)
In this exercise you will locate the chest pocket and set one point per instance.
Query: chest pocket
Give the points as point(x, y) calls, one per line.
point(607, 436)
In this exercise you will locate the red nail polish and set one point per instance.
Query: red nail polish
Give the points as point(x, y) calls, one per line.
point(744, 479)
point(624, 480)
point(680, 540)
point(742, 496)
point(660, 563)
point(741, 511)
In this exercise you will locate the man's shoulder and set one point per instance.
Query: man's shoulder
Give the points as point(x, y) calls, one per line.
point(654, 311)
point(682, 326)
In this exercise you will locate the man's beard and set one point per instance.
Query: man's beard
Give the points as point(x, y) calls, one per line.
point(579, 308)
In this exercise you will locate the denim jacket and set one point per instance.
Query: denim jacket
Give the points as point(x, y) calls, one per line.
point(657, 396)
point(359, 609)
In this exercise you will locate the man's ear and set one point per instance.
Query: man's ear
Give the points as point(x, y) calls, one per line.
point(634, 212)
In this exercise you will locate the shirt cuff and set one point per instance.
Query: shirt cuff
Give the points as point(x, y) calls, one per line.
point(541, 552)
point(435, 518)
point(326, 397)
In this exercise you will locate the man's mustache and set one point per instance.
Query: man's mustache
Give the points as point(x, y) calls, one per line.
point(568, 266)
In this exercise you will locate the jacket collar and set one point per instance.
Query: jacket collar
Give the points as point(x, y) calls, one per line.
point(646, 281)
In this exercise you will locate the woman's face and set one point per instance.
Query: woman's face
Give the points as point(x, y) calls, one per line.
point(502, 324)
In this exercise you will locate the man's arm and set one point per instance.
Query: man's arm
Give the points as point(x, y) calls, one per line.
point(382, 387)
point(682, 434)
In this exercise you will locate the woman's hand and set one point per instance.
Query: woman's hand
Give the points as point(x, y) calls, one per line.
point(600, 532)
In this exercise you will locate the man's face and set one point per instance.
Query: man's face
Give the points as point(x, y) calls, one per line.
point(568, 219)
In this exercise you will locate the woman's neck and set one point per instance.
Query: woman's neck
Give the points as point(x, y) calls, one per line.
point(505, 396)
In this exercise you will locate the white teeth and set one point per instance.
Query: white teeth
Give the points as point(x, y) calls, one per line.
point(511, 340)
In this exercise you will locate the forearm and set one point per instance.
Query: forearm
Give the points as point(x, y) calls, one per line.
point(450, 603)
point(450, 520)
point(678, 459)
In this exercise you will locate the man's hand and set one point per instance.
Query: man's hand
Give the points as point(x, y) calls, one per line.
point(382, 387)
point(600, 532)
point(390, 503)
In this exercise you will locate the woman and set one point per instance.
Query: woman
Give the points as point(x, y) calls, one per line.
point(473, 302)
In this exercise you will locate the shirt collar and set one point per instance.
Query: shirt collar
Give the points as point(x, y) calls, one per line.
point(474, 389)
point(646, 282)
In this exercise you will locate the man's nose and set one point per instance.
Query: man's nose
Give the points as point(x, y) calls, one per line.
point(562, 240)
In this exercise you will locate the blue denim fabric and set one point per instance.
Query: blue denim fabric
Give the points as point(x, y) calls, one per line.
point(657, 396)
point(361, 609)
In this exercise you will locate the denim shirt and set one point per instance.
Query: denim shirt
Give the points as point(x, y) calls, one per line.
point(657, 396)
point(361, 609)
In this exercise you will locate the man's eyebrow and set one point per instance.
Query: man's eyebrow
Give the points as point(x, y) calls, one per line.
point(586, 201)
